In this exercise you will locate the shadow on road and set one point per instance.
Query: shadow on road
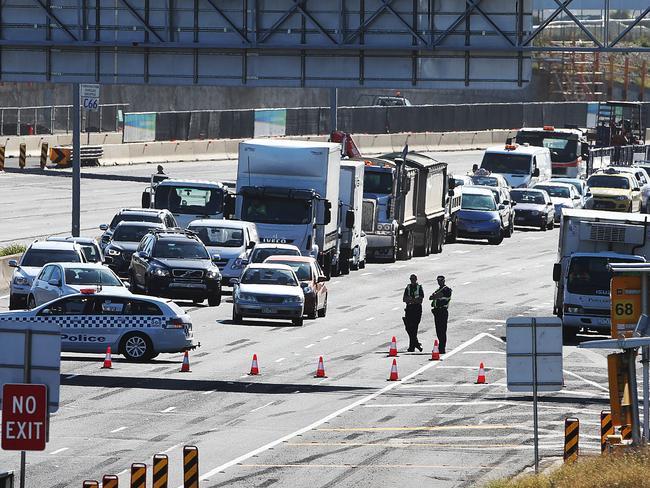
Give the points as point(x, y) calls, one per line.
point(84, 174)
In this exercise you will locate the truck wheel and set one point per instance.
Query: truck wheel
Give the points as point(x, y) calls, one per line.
point(453, 234)
point(569, 335)
point(362, 264)
point(345, 266)
point(411, 245)
point(422, 250)
point(438, 238)
point(403, 243)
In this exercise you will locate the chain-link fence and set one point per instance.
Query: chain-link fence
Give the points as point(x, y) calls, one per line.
point(57, 119)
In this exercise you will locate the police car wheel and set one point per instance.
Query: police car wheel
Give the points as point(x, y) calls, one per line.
point(137, 347)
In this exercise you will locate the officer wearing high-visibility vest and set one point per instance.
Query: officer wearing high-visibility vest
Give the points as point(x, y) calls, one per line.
point(440, 308)
point(413, 297)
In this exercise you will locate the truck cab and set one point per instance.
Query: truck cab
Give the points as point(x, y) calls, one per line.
point(568, 146)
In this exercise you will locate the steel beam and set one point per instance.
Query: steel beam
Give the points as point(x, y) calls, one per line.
point(139, 18)
point(221, 13)
point(51, 16)
point(464, 16)
point(630, 27)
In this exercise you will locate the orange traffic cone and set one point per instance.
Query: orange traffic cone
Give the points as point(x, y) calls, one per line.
point(185, 367)
point(255, 370)
point(435, 354)
point(320, 371)
point(481, 375)
point(393, 371)
point(108, 360)
point(392, 352)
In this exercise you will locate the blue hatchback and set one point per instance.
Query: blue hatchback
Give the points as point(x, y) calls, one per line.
point(479, 216)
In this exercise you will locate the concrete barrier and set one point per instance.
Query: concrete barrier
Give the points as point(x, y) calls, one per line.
point(33, 143)
point(6, 272)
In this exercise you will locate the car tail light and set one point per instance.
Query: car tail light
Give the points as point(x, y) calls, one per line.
point(87, 291)
point(175, 323)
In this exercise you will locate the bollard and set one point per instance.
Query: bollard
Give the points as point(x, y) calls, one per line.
point(138, 475)
point(606, 429)
point(190, 467)
point(22, 157)
point(571, 438)
point(110, 481)
point(91, 484)
point(160, 470)
point(2, 158)
point(626, 432)
point(44, 150)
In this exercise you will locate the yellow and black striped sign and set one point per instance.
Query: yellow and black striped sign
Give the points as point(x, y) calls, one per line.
point(190, 467)
point(2, 158)
point(138, 475)
point(22, 156)
point(571, 438)
point(626, 432)
point(606, 428)
point(60, 156)
point(160, 470)
point(110, 481)
point(90, 484)
point(44, 150)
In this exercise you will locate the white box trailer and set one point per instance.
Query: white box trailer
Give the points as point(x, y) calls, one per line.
point(589, 241)
point(353, 239)
point(290, 189)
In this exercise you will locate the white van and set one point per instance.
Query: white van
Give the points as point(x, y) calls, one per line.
point(521, 165)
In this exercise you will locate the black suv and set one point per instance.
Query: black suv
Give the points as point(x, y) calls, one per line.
point(158, 216)
point(174, 263)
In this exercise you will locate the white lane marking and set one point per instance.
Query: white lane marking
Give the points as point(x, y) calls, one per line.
point(119, 429)
point(369, 319)
point(326, 337)
point(337, 413)
point(467, 283)
point(491, 321)
point(487, 368)
point(335, 282)
point(124, 471)
point(505, 273)
point(589, 382)
point(396, 308)
point(309, 345)
point(455, 385)
point(491, 329)
point(440, 404)
point(70, 376)
point(209, 392)
point(459, 252)
point(485, 352)
point(343, 329)
point(263, 406)
point(58, 451)
point(3, 297)
point(165, 451)
point(279, 360)
point(366, 274)
point(168, 409)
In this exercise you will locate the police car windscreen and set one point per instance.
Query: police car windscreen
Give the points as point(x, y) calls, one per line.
point(276, 210)
point(134, 218)
point(86, 276)
point(219, 236)
point(180, 250)
point(477, 202)
point(515, 164)
point(130, 233)
point(40, 257)
point(268, 277)
point(599, 181)
point(189, 200)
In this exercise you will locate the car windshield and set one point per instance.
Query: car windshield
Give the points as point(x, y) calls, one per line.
point(130, 233)
point(151, 217)
point(259, 255)
point(562, 149)
point(276, 210)
point(219, 236)
point(177, 249)
point(189, 200)
point(602, 181)
point(527, 197)
point(576, 184)
point(506, 163)
point(86, 276)
point(591, 276)
point(268, 276)
point(302, 270)
point(40, 257)
point(477, 202)
point(556, 191)
point(485, 180)
point(380, 182)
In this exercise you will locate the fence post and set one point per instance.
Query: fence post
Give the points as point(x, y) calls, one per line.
point(91, 484)
point(44, 151)
point(22, 156)
point(190, 467)
point(606, 429)
point(2, 158)
point(110, 481)
point(138, 475)
point(160, 471)
point(571, 438)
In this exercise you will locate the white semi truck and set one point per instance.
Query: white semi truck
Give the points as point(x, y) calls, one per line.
point(353, 239)
point(290, 189)
point(589, 241)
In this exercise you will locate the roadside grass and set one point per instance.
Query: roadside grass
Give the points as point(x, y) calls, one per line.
point(12, 249)
point(625, 470)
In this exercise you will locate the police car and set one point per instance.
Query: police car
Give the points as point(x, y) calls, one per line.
point(139, 327)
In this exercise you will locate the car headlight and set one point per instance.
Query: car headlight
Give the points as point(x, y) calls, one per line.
point(160, 272)
point(622, 197)
point(295, 299)
point(573, 308)
point(247, 297)
point(22, 281)
point(113, 252)
point(213, 273)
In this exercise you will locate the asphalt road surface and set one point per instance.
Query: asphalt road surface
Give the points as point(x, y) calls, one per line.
point(435, 427)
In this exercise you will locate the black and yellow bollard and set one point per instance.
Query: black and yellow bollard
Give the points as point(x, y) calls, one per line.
point(110, 481)
point(44, 151)
point(160, 471)
point(22, 156)
point(571, 438)
point(2, 158)
point(138, 475)
point(626, 432)
point(190, 467)
point(606, 429)
point(90, 484)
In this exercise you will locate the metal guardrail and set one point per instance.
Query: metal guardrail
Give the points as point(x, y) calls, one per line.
point(617, 155)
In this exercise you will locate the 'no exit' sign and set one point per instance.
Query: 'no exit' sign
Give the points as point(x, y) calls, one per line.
point(24, 417)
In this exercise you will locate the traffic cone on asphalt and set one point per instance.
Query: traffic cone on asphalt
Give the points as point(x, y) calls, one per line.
point(393, 371)
point(392, 352)
point(435, 354)
point(320, 370)
point(108, 360)
point(255, 370)
point(481, 375)
point(185, 367)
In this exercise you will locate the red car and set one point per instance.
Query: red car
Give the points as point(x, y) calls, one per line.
point(312, 279)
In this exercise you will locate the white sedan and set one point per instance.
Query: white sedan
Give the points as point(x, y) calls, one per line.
point(59, 279)
point(563, 195)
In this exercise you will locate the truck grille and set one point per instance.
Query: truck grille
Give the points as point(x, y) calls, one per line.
point(188, 273)
point(607, 233)
point(368, 216)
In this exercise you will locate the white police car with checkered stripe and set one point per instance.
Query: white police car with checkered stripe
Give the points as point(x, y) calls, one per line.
point(139, 327)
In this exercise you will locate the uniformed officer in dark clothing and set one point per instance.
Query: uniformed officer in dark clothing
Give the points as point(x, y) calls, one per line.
point(440, 308)
point(413, 297)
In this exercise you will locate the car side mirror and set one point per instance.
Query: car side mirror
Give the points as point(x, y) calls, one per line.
point(13, 263)
point(327, 218)
point(588, 194)
point(303, 284)
point(549, 204)
point(450, 192)
point(506, 202)
point(349, 219)
point(103, 227)
point(557, 270)
point(250, 245)
point(54, 283)
point(502, 206)
point(142, 255)
point(535, 172)
point(514, 204)
point(576, 197)
point(322, 279)
point(216, 257)
point(233, 281)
